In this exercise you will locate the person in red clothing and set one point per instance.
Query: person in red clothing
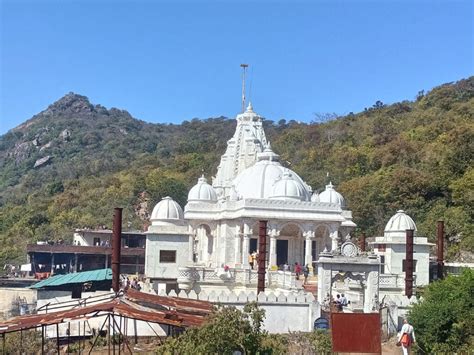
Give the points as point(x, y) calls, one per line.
point(297, 270)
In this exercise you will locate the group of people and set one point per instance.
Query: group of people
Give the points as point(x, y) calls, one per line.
point(300, 270)
point(135, 284)
point(340, 302)
point(252, 258)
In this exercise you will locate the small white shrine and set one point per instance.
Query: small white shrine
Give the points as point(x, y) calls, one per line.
point(391, 248)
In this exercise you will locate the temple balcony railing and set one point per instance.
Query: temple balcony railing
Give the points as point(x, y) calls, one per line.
point(393, 281)
point(189, 275)
point(282, 279)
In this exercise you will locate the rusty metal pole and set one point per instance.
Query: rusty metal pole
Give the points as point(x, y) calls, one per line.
point(362, 242)
point(440, 255)
point(116, 245)
point(42, 339)
point(409, 264)
point(57, 338)
point(262, 253)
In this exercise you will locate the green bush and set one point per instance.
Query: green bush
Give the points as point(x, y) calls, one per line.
point(228, 330)
point(444, 319)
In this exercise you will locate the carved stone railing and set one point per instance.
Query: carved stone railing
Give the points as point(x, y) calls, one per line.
point(188, 276)
point(393, 281)
point(282, 279)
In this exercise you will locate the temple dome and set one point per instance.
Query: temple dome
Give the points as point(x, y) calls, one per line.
point(398, 224)
point(259, 180)
point(202, 191)
point(289, 188)
point(315, 197)
point(330, 195)
point(166, 210)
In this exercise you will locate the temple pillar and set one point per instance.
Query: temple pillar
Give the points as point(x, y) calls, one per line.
point(245, 249)
point(238, 246)
point(334, 235)
point(191, 248)
point(308, 257)
point(246, 245)
point(273, 255)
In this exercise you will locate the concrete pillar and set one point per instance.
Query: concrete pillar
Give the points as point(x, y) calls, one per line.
point(237, 246)
point(191, 248)
point(308, 258)
point(246, 244)
point(324, 277)
point(75, 262)
point(273, 255)
point(245, 250)
point(52, 264)
point(334, 235)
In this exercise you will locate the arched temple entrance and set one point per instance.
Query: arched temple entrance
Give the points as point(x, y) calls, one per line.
point(204, 244)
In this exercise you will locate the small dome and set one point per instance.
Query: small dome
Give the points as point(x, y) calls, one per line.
point(202, 191)
point(258, 180)
point(288, 188)
point(398, 224)
point(315, 197)
point(330, 195)
point(166, 210)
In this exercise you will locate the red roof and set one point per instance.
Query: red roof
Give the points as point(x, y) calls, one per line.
point(133, 304)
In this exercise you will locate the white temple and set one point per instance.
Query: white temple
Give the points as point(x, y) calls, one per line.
point(391, 248)
point(219, 225)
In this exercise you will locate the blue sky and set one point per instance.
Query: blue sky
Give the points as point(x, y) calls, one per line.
point(173, 61)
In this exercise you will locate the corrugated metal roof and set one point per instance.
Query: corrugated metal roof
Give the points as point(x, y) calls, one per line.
point(74, 278)
point(80, 249)
point(185, 313)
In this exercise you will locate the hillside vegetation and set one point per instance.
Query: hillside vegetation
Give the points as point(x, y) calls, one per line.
point(68, 166)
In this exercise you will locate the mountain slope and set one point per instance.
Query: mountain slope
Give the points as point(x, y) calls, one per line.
point(411, 155)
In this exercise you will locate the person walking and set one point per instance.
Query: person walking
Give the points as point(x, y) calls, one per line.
point(305, 273)
point(406, 337)
point(297, 270)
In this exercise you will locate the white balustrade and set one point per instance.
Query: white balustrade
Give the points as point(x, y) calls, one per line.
point(394, 281)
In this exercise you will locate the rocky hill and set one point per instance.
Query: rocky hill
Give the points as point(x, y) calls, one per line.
point(69, 165)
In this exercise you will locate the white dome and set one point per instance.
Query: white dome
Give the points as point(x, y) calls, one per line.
point(258, 180)
point(315, 197)
point(330, 195)
point(289, 188)
point(202, 191)
point(398, 224)
point(166, 210)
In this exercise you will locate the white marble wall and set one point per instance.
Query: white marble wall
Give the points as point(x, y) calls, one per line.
point(154, 243)
point(284, 312)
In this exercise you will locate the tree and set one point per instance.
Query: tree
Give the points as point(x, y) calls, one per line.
point(226, 331)
point(229, 330)
point(444, 319)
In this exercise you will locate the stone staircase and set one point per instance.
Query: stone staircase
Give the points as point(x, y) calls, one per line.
point(312, 285)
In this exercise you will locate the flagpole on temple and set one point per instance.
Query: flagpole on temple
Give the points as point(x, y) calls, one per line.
point(244, 71)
